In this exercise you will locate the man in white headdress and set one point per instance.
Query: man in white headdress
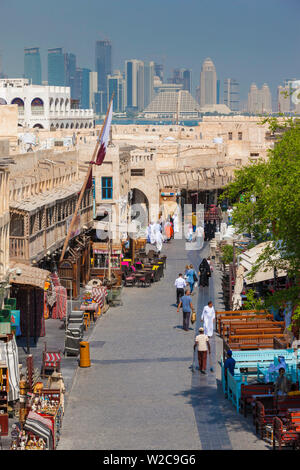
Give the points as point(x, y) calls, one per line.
point(158, 240)
point(152, 233)
point(208, 316)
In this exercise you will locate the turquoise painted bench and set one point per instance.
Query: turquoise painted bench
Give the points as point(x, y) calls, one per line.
point(234, 388)
point(262, 358)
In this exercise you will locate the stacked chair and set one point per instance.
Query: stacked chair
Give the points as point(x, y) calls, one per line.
point(74, 333)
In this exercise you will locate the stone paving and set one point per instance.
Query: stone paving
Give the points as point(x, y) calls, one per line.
point(139, 392)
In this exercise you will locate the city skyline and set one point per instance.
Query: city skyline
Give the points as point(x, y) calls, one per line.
point(246, 48)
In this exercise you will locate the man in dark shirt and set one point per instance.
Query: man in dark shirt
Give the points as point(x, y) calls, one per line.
point(187, 307)
point(229, 363)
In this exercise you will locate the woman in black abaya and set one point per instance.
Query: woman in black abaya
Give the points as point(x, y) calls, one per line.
point(204, 273)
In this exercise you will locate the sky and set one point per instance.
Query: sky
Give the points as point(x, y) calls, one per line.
point(249, 40)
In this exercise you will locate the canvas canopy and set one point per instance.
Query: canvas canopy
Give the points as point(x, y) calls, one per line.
point(249, 258)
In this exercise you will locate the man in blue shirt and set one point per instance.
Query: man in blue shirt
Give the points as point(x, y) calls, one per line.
point(187, 307)
point(229, 363)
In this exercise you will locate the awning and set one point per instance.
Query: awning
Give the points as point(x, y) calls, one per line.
point(30, 276)
point(248, 259)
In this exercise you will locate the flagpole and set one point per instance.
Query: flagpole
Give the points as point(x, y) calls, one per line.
point(85, 183)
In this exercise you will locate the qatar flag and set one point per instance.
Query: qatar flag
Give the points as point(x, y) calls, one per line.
point(104, 139)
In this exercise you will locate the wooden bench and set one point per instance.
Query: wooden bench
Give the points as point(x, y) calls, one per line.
point(264, 415)
point(226, 321)
point(236, 313)
point(285, 435)
point(255, 325)
point(255, 331)
point(250, 341)
point(249, 390)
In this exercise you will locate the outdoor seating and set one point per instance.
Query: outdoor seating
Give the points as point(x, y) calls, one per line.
point(285, 435)
point(144, 280)
point(249, 390)
point(264, 413)
point(50, 361)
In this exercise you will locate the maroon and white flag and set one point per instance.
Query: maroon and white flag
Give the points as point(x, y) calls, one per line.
point(104, 139)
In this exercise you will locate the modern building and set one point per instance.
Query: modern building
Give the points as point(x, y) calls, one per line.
point(70, 71)
point(187, 80)
point(134, 76)
point(116, 85)
point(93, 89)
point(232, 94)
point(182, 77)
point(218, 91)
point(208, 83)
point(32, 65)
point(56, 67)
point(176, 105)
point(283, 99)
point(159, 71)
point(44, 107)
point(82, 87)
point(149, 70)
point(103, 66)
point(259, 100)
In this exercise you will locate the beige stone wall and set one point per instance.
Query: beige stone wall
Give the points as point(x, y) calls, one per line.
point(8, 121)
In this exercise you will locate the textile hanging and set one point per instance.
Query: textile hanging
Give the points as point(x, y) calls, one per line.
point(98, 295)
point(9, 354)
point(59, 309)
point(40, 426)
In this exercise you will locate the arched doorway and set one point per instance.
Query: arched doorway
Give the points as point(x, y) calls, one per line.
point(38, 126)
point(139, 210)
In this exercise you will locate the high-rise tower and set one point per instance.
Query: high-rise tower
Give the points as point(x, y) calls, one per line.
point(32, 65)
point(208, 83)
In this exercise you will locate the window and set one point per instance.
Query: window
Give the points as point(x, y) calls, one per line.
point(229, 135)
point(107, 187)
point(240, 136)
point(254, 154)
point(138, 172)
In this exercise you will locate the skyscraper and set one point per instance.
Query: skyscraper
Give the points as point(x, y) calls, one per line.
point(70, 71)
point(159, 71)
point(148, 83)
point(283, 99)
point(116, 85)
point(82, 87)
point(103, 64)
point(259, 101)
point(134, 75)
point(231, 94)
point(32, 65)
point(56, 67)
point(187, 80)
point(208, 83)
point(93, 89)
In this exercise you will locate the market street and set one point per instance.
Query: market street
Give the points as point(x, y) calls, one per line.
point(139, 392)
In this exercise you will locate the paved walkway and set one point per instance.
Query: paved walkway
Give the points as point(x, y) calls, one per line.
point(139, 392)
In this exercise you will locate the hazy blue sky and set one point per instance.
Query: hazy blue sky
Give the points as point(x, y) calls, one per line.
point(250, 40)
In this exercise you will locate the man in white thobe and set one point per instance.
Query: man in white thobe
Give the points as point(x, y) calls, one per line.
point(208, 316)
point(152, 233)
point(158, 241)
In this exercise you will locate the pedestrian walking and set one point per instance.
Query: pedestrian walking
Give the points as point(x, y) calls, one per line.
point(208, 316)
point(187, 307)
point(180, 285)
point(204, 273)
point(202, 342)
point(191, 277)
